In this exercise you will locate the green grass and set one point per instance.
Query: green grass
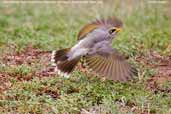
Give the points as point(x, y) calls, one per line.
point(54, 26)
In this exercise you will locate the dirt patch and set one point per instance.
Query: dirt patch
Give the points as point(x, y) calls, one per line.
point(162, 65)
point(154, 60)
point(161, 80)
point(4, 83)
point(30, 57)
point(46, 90)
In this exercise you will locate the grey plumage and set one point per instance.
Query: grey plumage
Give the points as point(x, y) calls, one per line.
point(95, 46)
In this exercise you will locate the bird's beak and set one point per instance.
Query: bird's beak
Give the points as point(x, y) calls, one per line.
point(118, 30)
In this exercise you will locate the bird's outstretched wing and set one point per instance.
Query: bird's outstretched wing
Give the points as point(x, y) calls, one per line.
point(112, 67)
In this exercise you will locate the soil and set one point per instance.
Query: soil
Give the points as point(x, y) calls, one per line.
point(31, 56)
point(162, 66)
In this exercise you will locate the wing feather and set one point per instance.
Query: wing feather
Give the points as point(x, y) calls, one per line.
point(113, 67)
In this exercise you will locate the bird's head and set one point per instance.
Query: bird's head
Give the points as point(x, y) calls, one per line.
point(106, 28)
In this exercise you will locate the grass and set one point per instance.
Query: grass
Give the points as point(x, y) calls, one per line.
point(53, 26)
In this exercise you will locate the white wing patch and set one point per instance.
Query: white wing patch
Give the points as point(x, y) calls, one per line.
point(59, 72)
point(53, 58)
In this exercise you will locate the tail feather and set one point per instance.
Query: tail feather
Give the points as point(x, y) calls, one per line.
point(60, 60)
point(68, 66)
point(60, 55)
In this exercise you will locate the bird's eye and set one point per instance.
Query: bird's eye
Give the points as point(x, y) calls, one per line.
point(112, 30)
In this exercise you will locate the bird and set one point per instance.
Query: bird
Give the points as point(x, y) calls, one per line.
point(94, 49)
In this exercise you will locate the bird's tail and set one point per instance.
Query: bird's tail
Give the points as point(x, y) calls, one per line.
point(63, 66)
